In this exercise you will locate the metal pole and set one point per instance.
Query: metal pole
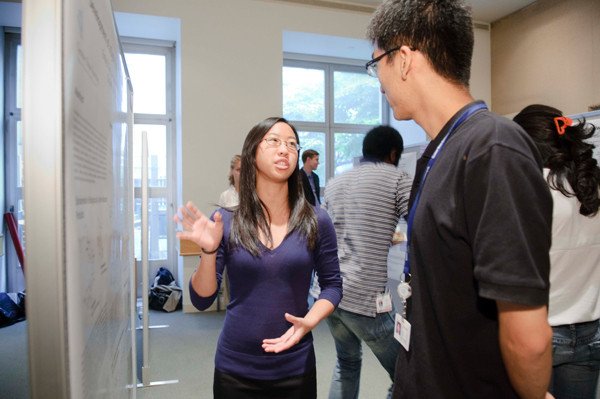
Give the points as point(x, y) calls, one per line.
point(145, 282)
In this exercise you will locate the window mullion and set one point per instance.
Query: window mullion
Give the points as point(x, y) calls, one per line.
point(351, 128)
point(151, 119)
point(329, 121)
point(310, 126)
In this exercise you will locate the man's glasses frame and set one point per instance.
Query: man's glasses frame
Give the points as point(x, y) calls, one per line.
point(371, 66)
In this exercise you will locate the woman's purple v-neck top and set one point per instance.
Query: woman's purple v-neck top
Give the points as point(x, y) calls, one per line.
point(262, 290)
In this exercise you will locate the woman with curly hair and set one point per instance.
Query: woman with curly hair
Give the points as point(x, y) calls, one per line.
point(573, 176)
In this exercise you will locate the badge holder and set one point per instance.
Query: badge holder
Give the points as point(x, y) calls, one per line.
point(384, 302)
point(401, 325)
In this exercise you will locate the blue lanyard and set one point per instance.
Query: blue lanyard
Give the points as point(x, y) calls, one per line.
point(411, 215)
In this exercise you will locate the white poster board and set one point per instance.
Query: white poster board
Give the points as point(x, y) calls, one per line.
point(77, 81)
point(408, 162)
point(98, 202)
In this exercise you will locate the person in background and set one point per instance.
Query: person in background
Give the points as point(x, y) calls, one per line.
point(310, 180)
point(230, 197)
point(475, 324)
point(270, 243)
point(312, 193)
point(573, 176)
point(365, 204)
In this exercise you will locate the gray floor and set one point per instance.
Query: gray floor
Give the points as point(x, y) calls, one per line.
point(184, 351)
point(14, 372)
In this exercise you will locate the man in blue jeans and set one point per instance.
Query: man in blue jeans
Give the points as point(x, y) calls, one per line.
point(365, 204)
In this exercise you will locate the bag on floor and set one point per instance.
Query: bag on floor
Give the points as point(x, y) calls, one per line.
point(12, 308)
point(165, 297)
point(164, 294)
point(163, 277)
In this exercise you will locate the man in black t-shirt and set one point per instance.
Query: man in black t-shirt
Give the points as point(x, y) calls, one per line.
point(480, 224)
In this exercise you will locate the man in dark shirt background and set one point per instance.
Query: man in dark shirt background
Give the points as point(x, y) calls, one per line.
point(310, 180)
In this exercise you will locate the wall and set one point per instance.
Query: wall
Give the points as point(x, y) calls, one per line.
point(547, 53)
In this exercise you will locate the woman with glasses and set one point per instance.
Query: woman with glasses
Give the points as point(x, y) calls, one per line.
point(270, 243)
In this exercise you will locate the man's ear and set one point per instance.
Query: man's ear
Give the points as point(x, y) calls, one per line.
point(393, 157)
point(396, 156)
point(406, 58)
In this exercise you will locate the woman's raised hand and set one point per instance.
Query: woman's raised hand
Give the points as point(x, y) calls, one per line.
point(198, 228)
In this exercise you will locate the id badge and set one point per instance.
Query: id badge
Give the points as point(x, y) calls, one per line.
point(402, 331)
point(384, 302)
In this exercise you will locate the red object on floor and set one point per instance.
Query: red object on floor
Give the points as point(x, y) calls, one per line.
point(14, 235)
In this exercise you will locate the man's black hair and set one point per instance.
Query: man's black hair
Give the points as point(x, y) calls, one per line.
point(381, 141)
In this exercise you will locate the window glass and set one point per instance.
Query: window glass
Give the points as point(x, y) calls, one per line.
point(148, 78)
point(11, 276)
point(356, 98)
point(157, 229)
point(19, 88)
point(149, 67)
point(315, 141)
point(19, 154)
point(348, 150)
point(348, 101)
point(20, 217)
point(157, 155)
point(304, 94)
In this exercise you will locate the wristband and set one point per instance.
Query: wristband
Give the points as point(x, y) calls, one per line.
point(205, 252)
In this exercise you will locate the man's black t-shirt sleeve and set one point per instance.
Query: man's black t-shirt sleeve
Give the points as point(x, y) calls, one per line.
point(508, 219)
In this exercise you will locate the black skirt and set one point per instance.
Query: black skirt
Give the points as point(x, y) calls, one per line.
point(229, 386)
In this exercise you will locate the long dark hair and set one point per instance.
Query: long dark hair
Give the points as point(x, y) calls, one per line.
point(567, 155)
point(251, 215)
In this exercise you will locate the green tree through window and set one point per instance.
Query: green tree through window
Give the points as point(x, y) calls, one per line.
point(332, 106)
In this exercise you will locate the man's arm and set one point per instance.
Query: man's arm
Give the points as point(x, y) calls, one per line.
point(317, 188)
point(526, 346)
point(403, 190)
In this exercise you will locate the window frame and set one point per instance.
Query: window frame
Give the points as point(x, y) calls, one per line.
point(13, 276)
point(330, 65)
point(169, 192)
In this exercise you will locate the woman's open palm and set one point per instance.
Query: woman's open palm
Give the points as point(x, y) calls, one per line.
point(198, 228)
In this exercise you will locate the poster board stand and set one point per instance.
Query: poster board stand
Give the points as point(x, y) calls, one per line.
point(145, 366)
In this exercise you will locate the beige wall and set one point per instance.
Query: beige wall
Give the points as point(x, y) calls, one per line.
point(547, 53)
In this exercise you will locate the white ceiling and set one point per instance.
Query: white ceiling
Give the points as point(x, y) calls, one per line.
point(483, 10)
